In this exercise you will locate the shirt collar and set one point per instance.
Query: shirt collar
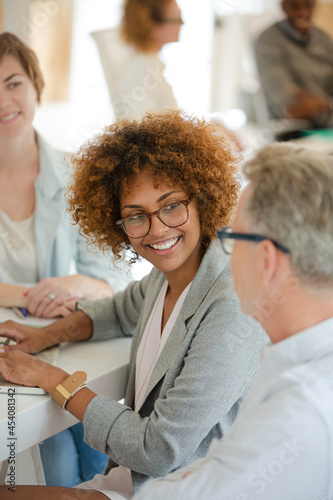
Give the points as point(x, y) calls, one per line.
point(299, 348)
point(294, 34)
point(52, 174)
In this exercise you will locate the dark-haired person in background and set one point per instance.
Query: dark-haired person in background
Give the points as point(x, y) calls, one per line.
point(295, 64)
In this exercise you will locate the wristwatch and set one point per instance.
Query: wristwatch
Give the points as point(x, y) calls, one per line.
point(65, 391)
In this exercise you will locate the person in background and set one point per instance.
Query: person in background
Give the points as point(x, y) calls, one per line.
point(295, 64)
point(38, 242)
point(137, 83)
point(160, 187)
point(281, 242)
point(133, 70)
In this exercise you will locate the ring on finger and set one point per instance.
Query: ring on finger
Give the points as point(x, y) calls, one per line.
point(51, 296)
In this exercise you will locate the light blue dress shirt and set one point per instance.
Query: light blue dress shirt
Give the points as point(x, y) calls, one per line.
point(280, 446)
point(58, 241)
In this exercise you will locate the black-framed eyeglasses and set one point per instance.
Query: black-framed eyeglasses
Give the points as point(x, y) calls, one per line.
point(173, 215)
point(227, 239)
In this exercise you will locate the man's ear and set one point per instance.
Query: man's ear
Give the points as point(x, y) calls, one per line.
point(283, 6)
point(270, 260)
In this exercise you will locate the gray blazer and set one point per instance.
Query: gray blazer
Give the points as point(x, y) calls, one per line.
point(203, 372)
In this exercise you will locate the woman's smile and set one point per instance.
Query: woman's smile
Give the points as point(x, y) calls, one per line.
point(166, 245)
point(6, 117)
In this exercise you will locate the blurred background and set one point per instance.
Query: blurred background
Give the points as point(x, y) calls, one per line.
point(211, 69)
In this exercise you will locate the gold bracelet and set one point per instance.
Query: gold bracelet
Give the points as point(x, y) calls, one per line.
point(65, 391)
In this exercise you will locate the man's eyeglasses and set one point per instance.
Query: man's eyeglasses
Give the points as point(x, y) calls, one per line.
point(138, 226)
point(227, 239)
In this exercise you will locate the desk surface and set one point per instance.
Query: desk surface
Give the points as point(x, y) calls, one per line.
point(37, 417)
point(319, 141)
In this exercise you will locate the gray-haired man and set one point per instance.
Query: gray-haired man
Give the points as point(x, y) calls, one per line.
point(280, 446)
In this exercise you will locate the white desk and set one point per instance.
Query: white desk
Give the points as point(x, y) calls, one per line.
point(38, 417)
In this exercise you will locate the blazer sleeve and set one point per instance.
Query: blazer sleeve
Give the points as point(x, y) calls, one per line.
point(202, 392)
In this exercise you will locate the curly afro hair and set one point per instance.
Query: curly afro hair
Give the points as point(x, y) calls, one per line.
point(171, 147)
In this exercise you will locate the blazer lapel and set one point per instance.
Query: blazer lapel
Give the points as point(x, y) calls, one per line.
point(211, 267)
point(154, 289)
point(172, 345)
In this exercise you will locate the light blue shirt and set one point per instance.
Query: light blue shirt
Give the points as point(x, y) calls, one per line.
point(58, 241)
point(294, 34)
point(280, 446)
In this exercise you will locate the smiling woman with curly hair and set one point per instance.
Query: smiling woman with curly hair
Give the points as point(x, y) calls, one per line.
point(171, 148)
point(161, 187)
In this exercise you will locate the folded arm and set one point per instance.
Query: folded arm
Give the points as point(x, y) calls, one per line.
point(57, 296)
point(12, 295)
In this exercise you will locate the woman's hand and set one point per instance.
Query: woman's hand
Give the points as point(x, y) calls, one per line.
point(75, 328)
point(21, 368)
point(54, 297)
point(27, 338)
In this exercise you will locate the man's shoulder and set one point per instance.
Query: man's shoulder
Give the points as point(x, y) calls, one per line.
point(275, 34)
point(270, 33)
point(324, 37)
point(307, 380)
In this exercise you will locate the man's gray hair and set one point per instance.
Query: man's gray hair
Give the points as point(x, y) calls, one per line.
point(292, 202)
